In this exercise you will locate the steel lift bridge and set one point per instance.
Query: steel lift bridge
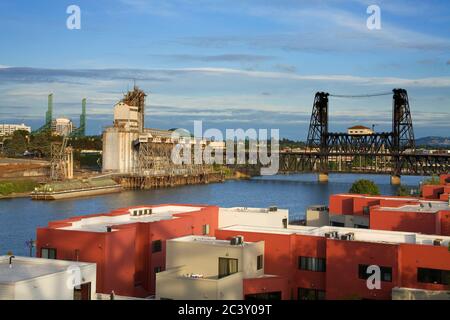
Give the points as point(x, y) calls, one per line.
point(391, 152)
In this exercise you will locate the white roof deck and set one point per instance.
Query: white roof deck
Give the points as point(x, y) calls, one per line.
point(24, 268)
point(209, 241)
point(365, 235)
point(252, 210)
point(100, 223)
point(423, 206)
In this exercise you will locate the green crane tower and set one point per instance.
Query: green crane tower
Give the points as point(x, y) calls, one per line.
point(48, 116)
point(81, 130)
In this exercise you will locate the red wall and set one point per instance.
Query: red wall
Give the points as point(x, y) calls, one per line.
point(341, 204)
point(421, 222)
point(267, 284)
point(343, 259)
point(425, 256)
point(432, 191)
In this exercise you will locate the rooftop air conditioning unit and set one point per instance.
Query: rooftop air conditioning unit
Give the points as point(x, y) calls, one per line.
point(437, 242)
point(240, 240)
point(273, 209)
point(334, 234)
point(233, 241)
point(327, 234)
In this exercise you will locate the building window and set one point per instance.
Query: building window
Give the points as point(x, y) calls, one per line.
point(436, 276)
point(337, 224)
point(205, 229)
point(156, 246)
point(310, 294)
point(157, 269)
point(386, 273)
point(227, 266)
point(312, 264)
point(48, 253)
point(259, 262)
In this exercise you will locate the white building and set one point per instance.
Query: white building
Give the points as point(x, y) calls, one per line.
point(126, 116)
point(23, 278)
point(203, 268)
point(62, 126)
point(359, 130)
point(8, 129)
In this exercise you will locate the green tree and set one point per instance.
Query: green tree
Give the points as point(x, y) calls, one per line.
point(363, 186)
point(403, 191)
point(434, 180)
point(16, 144)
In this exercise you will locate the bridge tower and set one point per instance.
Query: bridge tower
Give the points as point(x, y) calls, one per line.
point(318, 133)
point(402, 131)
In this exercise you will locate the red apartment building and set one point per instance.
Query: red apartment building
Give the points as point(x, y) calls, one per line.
point(326, 262)
point(317, 264)
point(128, 245)
point(438, 192)
point(429, 214)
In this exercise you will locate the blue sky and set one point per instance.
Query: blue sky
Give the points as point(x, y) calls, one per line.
point(232, 64)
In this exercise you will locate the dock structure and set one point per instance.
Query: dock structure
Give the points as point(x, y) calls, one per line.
point(141, 158)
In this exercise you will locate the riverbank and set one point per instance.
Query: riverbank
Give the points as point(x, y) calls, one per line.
point(16, 188)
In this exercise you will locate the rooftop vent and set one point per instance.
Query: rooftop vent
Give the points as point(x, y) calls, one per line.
point(236, 241)
point(332, 235)
point(348, 236)
point(273, 208)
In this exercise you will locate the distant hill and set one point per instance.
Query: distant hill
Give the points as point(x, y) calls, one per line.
point(443, 142)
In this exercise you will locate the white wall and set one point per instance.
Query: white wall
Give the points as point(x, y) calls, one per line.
point(171, 284)
point(50, 287)
point(118, 153)
point(6, 292)
point(252, 217)
point(203, 258)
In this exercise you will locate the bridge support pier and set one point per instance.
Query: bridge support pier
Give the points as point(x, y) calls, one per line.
point(323, 177)
point(395, 180)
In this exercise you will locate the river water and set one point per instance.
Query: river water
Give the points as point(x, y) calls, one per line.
point(20, 217)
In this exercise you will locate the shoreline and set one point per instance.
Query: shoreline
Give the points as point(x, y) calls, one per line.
point(16, 195)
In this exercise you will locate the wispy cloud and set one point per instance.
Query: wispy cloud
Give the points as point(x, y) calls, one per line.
point(216, 58)
point(31, 75)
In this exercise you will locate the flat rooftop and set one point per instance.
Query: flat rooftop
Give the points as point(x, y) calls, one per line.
point(254, 210)
point(101, 223)
point(423, 206)
point(365, 235)
point(209, 241)
point(24, 268)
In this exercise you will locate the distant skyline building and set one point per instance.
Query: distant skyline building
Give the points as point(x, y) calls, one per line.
point(7, 129)
point(62, 126)
point(355, 130)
